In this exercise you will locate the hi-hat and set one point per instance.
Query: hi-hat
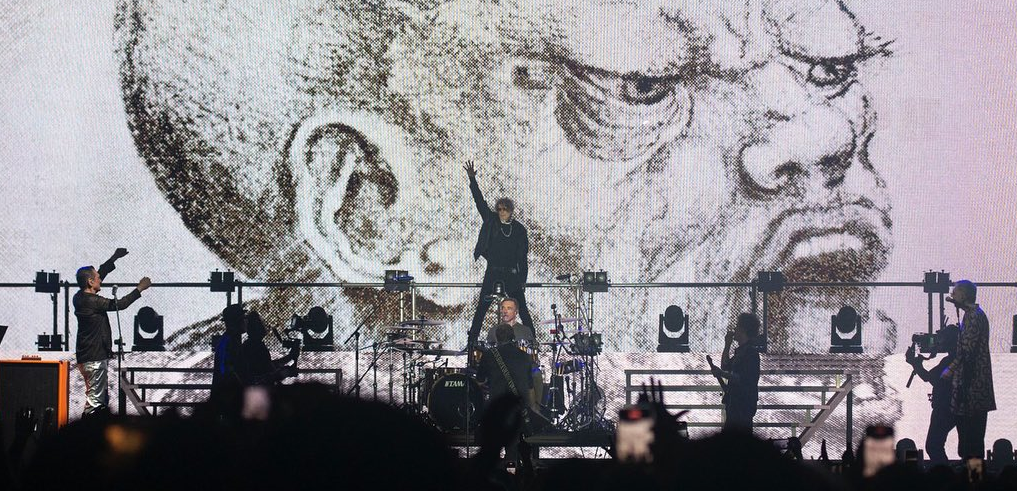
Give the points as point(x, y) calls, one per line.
point(441, 352)
point(421, 322)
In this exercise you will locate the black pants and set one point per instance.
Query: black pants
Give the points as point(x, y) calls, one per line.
point(513, 288)
point(940, 424)
point(738, 417)
point(971, 435)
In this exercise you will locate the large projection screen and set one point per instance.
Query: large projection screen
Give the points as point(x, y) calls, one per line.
point(324, 141)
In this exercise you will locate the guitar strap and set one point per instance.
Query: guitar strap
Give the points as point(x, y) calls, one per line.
point(512, 387)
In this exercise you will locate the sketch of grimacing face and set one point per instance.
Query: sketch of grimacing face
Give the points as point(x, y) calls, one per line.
point(658, 140)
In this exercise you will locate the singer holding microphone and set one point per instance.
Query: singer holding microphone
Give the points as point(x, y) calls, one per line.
point(504, 244)
point(970, 373)
point(94, 347)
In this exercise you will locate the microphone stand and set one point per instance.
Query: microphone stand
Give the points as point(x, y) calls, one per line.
point(355, 336)
point(120, 339)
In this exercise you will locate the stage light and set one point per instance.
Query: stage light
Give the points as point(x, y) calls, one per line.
point(221, 281)
point(47, 282)
point(595, 281)
point(904, 446)
point(770, 281)
point(673, 331)
point(397, 280)
point(316, 328)
point(50, 342)
point(846, 331)
point(936, 282)
point(148, 331)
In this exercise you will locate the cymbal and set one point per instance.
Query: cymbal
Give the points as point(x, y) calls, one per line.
point(401, 328)
point(564, 320)
point(441, 352)
point(421, 322)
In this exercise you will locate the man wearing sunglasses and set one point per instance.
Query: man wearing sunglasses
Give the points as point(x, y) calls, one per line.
point(504, 244)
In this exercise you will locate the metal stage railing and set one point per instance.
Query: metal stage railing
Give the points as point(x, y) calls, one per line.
point(137, 392)
point(831, 395)
point(758, 294)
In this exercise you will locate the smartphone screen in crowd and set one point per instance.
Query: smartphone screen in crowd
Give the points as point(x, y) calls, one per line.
point(877, 449)
point(634, 434)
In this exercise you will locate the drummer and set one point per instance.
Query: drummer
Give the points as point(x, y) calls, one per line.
point(526, 340)
point(508, 313)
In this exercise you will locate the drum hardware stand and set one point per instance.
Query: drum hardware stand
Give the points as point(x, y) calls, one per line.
point(372, 368)
point(355, 336)
point(391, 379)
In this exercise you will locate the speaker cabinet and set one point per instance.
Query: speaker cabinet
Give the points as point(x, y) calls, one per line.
point(35, 384)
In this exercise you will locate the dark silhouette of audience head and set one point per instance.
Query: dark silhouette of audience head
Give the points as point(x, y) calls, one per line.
point(308, 437)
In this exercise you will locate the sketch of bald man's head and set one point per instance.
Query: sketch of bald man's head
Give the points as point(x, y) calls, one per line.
point(214, 94)
point(221, 98)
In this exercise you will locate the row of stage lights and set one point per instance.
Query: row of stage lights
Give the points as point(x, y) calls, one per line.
point(317, 326)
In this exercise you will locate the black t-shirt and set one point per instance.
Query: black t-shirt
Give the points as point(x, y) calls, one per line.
point(941, 387)
point(519, 366)
point(743, 391)
point(255, 365)
point(95, 337)
point(506, 242)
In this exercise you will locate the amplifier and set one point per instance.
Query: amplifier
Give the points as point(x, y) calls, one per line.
point(36, 384)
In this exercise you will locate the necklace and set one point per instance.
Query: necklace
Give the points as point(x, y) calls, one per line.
point(502, 229)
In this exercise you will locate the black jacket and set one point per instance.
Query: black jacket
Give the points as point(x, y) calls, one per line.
point(95, 338)
point(489, 228)
point(519, 365)
point(940, 386)
point(743, 390)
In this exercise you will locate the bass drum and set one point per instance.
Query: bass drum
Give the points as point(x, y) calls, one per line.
point(447, 402)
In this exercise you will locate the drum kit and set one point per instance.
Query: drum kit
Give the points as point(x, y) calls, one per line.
point(437, 384)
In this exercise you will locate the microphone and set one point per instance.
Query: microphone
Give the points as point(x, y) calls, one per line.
point(114, 290)
point(951, 300)
point(564, 277)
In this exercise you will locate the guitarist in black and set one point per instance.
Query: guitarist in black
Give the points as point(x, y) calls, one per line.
point(738, 374)
point(505, 369)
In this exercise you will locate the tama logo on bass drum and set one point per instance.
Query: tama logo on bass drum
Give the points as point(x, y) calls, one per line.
point(455, 383)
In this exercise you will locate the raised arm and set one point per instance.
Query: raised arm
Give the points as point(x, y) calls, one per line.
point(478, 197)
point(108, 266)
point(128, 299)
point(725, 357)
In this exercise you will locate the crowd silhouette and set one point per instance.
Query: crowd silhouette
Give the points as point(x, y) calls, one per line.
point(303, 435)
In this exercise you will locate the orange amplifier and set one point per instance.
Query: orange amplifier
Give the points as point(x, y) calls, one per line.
point(36, 384)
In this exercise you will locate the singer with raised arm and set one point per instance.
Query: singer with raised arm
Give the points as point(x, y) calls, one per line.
point(970, 373)
point(738, 374)
point(94, 346)
point(504, 244)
